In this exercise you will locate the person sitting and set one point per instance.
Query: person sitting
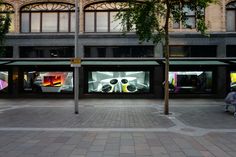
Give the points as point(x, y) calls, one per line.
point(231, 100)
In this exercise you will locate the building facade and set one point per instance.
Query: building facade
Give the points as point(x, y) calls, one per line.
point(36, 58)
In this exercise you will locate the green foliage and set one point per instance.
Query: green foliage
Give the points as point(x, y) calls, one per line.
point(148, 17)
point(5, 22)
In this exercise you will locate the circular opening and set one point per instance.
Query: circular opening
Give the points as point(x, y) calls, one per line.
point(124, 81)
point(113, 81)
point(131, 88)
point(106, 88)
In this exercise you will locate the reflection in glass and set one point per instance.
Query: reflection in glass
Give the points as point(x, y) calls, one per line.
point(190, 82)
point(49, 22)
point(64, 21)
point(25, 22)
point(35, 22)
point(102, 21)
point(119, 81)
point(230, 20)
point(3, 81)
point(52, 82)
point(89, 22)
point(72, 22)
point(115, 25)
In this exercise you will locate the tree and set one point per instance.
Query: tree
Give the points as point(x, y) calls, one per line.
point(150, 19)
point(5, 22)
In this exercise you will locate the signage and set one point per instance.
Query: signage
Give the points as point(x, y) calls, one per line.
point(75, 62)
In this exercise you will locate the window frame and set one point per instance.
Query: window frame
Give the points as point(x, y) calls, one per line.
point(108, 8)
point(9, 9)
point(230, 7)
point(180, 23)
point(58, 13)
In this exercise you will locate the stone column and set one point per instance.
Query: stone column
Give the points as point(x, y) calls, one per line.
point(16, 52)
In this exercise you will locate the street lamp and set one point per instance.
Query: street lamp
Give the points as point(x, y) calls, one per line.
point(76, 68)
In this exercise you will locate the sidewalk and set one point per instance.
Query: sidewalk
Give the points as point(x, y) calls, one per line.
point(116, 128)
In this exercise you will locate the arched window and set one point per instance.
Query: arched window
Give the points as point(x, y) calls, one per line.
point(230, 17)
point(100, 17)
point(8, 9)
point(48, 17)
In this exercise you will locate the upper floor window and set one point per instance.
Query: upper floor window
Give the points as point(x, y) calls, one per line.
point(190, 17)
point(193, 51)
point(230, 16)
point(48, 17)
point(100, 17)
point(119, 51)
point(8, 9)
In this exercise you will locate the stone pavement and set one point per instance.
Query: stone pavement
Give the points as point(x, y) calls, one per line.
point(116, 128)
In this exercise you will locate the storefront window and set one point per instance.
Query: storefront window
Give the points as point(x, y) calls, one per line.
point(190, 82)
point(48, 82)
point(119, 81)
point(233, 79)
point(3, 81)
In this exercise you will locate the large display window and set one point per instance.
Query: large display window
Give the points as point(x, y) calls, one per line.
point(118, 81)
point(190, 82)
point(3, 81)
point(48, 82)
point(233, 79)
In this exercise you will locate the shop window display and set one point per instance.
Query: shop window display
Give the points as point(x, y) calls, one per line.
point(190, 82)
point(3, 81)
point(48, 82)
point(233, 79)
point(119, 81)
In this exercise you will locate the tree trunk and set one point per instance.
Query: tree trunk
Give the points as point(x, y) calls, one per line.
point(166, 51)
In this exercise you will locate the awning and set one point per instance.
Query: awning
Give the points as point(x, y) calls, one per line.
point(39, 63)
point(3, 62)
point(197, 63)
point(119, 63)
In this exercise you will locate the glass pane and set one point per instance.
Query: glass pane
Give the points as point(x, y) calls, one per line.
point(176, 25)
point(119, 81)
point(178, 51)
point(47, 52)
point(49, 22)
point(233, 80)
point(35, 22)
point(64, 22)
point(102, 22)
point(190, 22)
point(190, 82)
point(72, 22)
point(3, 81)
point(48, 82)
point(230, 20)
point(115, 25)
point(89, 22)
point(188, 11)
point(11, 29)
point(24, 22)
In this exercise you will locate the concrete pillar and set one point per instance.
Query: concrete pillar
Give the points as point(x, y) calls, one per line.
point(221, 49)
point(15, 81)
point(16, 52)
point(157, 82)
point(221, 82)
point(81, 50)
point(158, 50)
